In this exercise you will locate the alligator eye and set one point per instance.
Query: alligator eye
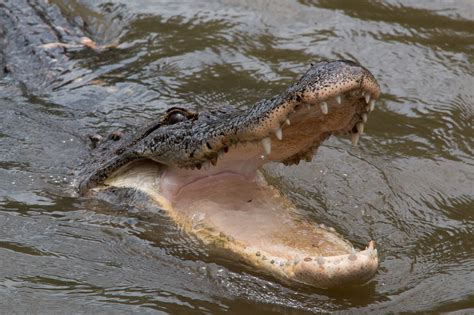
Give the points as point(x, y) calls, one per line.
point(175, 115)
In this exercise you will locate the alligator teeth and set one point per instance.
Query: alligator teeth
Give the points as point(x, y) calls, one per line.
point(371, 105)
point(324, 107)
point(355, 139)
point(367, 97)
point(338, 99)
point(364, 117)
point(360, 127)
point(279, 134)
point(214, 161)
point(308, 105)
point(371, 250)
point(288, 122)
point(267, 145)
point(372, 244)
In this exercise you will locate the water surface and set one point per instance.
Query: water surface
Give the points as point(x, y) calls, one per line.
point(409, 184)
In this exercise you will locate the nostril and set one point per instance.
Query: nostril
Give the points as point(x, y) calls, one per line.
point(116, 135)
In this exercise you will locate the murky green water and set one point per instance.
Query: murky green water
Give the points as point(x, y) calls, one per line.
point(409, 185)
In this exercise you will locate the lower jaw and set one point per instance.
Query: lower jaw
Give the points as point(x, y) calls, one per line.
point(253, 212)
point(253, 222)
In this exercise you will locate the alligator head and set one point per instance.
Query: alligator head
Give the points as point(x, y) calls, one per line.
point(203, 169)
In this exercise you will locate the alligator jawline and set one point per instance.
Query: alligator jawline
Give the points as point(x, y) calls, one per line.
point(252, 221)
point(230, 205)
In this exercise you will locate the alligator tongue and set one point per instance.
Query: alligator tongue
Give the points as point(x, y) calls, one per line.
point(256, 215)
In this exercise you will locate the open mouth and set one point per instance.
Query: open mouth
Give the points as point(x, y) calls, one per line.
point(213, 188)
point(288, 135)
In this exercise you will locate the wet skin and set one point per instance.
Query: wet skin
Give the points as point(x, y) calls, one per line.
point(408, 186)
point(203, 169)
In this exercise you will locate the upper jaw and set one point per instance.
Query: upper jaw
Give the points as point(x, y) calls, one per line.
point(331, 97)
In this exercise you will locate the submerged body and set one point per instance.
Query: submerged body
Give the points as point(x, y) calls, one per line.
point(202, 168)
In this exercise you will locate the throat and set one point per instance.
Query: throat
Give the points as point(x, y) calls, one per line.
point(237, 164)
point(224, 192)
point(176, 184)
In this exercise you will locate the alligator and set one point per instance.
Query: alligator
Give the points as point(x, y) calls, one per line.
point(203, 169)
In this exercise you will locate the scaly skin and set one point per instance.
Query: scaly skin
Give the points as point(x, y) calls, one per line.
point(35, 43)
point(206, 165)
point(202, 168)
point(202, 138)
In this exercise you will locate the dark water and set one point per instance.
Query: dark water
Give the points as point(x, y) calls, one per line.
point(409, 184)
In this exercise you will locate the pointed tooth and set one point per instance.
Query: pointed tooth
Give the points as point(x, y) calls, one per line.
point(371, 105)
point(279, 134)
point(267, 145)
point(367, 97)
point(355, 139)
point(308, 105)
point(214, 161)
point(339, 99)
point(324, 107)
point(288, 122)
point(372, 245)
point(364, 117)
point(360, 127)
